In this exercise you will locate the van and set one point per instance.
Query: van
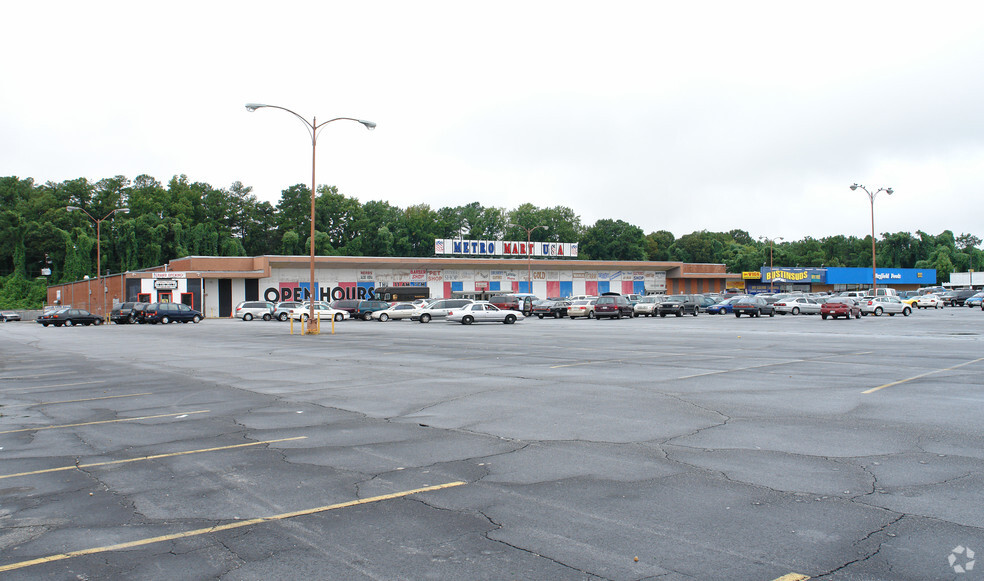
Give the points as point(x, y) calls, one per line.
point(882, 292)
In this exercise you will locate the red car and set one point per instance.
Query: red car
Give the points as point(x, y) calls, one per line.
point(840, 307)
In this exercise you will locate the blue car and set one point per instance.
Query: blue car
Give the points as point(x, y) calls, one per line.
point(722, 308)
point(975, 301)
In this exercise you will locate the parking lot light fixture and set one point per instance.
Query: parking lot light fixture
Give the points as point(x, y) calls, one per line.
point(529, 256)
point(871, 198)
point(771, 242)
point(99, 246)
point(313, 128)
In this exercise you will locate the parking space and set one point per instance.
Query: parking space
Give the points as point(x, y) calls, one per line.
point(680, 448)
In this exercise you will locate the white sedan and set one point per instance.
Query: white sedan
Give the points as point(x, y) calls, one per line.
point(395, 312)
point(929, 302)
point(483, 313)
point(797, 305)
point(321, 311)
point(878, 305)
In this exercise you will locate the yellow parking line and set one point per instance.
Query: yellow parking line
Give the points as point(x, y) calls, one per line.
point(225, 527)
point(22, 405)
point(103, 422)
point(49, 386)
point(921, 375)
point(792, 577)
point(153, 457)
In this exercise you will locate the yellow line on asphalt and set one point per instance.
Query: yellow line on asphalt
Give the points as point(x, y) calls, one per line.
point(792, 577)
point(225, 527)
point(50, 386)
point(104, 422)
point(23, 405)
point(153, 457)
point(586, 363)
point(921, 375)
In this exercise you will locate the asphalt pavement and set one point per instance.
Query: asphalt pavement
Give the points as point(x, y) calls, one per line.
point(702, 447)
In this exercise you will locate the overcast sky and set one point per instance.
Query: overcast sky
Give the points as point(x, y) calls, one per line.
point(676, 116)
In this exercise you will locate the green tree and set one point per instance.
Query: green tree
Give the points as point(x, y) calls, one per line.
point(613, 240)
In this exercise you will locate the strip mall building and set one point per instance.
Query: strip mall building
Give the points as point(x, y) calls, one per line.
point(214, 285)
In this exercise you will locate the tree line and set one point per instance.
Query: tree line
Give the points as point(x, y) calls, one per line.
point(183, 218)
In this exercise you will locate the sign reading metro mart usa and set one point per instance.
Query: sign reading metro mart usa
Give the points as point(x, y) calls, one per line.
point(447, 246)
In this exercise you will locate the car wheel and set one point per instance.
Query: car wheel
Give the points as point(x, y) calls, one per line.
point(467, 320)
point(165, 320)
point(878, 311)
point(97, 322)
point(696, 311)
point(267, 317)
point(282, 316)
point(131, 319)
point(591, 314)
point(795, 311)
point(540, 316)
point(196, 319)
point(556, 314)
point(510, 319)
point(68, 323)
point(824, 317)
point(247, 317)
point(737, 315)
point(366, 316)
point(44, 324)
point(383, 317)
point(618, 314)
point(425, 318)
point(856, 315)
point(679, 313)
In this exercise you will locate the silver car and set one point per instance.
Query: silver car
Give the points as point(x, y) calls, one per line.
point(396, 312)
point(878, 305)
point(483, 313)
point(438, 309)
point(646, 306)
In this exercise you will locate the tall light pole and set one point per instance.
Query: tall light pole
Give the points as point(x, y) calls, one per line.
point(313, 128)
point(99, 245)
point(771, 276)
point(871, 197)
point(529, 254)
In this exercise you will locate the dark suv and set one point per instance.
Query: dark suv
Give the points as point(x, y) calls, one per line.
point(170, 312)
point(123, 313)
point(680, 305)
point(613, 307)
point(359, 309)
point(957, 298)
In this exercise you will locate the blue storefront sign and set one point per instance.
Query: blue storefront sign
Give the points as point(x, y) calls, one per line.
point(886, 276)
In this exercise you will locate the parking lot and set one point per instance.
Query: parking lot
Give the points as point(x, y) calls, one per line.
point(702, 447)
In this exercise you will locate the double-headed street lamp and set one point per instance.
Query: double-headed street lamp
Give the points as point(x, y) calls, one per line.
point(772, 277)
point(313, 128)
point(871, 197)
point(99, 245)
point(529, 251)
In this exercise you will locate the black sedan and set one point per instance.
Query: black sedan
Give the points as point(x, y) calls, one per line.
point(753, 307)
point(552, 309)
point(69, 317)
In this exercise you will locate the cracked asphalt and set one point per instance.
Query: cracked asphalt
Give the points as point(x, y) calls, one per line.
point(672, 449)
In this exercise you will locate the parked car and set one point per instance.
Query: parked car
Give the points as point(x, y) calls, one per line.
point(956, 298)
point(483, 312)
point(646, 306)
point(137, 312)
point(522, 303)
point(322, 310)
point(974, 301)
point(753, 306)
point(396, 312)
point(438, 309)
point(554, 309)
point(846, 307)
point(165, 313)
point(9, 316)
point(68, 317)
point(249, 310)
point(797, 305)
point(123, 313)
point(725, 307)
point(365, 309)
point(679, 305)
point(884, 304)
point(582, 308)
point(928, 302)
point(613, 307)
point(282, 311)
